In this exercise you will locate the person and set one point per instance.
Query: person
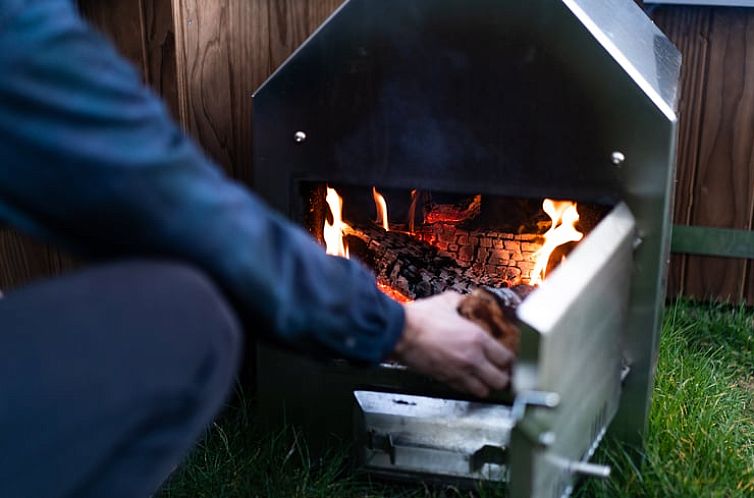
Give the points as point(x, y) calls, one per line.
point(109, 374)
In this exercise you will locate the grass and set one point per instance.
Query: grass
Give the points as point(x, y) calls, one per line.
point(700, 441)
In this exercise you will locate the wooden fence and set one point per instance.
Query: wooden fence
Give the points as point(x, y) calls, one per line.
point(206, 59)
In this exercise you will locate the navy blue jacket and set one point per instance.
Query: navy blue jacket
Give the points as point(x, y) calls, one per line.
point(90, 159)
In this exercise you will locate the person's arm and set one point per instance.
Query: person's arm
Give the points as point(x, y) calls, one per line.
point(89, 158)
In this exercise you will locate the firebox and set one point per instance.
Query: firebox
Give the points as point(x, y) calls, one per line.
point(521, 146)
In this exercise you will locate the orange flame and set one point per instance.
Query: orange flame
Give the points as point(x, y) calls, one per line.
point(381, 205)
point(333, 232)
point(412, 212)
point(564, 216)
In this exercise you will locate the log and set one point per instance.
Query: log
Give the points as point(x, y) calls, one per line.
point(415, 270)
point(494, 310)
point(410, 266)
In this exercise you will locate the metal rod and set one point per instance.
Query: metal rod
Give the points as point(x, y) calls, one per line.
point(590, 469)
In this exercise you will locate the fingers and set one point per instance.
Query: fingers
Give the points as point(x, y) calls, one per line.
point(492, 377)
point(498, 354)
point(471, 385)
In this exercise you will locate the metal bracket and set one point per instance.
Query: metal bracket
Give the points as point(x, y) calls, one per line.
point(382, 442)
point(542, 399)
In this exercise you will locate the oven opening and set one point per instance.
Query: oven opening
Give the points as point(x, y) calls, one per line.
point(419, 243)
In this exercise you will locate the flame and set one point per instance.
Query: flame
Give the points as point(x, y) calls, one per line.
point(333, 232)
point(381, 205)
point(412, 211)
point(564, 216)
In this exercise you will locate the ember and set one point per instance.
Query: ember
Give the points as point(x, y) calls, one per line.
point(393, 294)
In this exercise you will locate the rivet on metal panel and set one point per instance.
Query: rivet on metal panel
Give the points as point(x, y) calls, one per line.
point(299, 137)
point(617, 158)
point(546, 438)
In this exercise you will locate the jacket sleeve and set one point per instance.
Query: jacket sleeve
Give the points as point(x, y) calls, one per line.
point(90, 159)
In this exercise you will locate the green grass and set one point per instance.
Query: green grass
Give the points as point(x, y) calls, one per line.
point(700, 441)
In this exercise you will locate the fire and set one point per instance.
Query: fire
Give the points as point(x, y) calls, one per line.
point(564, 216)
point(381, 205)
point(412, 211)
point(333, 232)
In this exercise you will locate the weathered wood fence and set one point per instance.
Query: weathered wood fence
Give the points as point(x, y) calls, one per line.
point(206, 59)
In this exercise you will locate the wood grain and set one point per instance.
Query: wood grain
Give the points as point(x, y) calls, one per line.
point(689, 28)
point(159, 50)
point(292, 22)
point(222, 56)
point(123, 23)
point(225, 50)
point(23, 260)
point(724, 190)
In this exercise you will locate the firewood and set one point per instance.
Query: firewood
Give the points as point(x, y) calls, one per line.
point(415, 270)
point(494, 310)
point(410, 266)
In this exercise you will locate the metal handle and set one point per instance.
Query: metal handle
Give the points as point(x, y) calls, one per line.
point(589, 469)
point(541, 399)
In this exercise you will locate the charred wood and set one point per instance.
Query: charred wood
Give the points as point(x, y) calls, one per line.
point(410, 266)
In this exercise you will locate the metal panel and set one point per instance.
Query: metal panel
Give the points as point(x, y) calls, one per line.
point(637, 45)
point(399, 434)
point(527, 99)
point(571, 346)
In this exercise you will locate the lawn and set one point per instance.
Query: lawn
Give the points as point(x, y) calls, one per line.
point(700, 441)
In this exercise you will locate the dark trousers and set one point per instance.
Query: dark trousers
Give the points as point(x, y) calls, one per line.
point(108, 376)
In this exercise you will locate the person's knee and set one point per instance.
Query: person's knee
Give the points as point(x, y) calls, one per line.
point(194, 325)
point(165, 326)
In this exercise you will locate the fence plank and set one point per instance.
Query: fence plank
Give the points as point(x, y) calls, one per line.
point(689, 29)
point(159, 50)
point(724, 190)
point(222, 56)
point(123, 23)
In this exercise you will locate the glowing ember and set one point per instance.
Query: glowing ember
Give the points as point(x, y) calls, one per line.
point(393, 294)
point(333, 232)
point(448, 213)
point(564, 216)
point(381, 205)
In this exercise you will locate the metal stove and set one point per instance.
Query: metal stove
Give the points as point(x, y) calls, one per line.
point(572, 99)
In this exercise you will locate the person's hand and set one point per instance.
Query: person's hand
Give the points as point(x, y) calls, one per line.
point(439, 342)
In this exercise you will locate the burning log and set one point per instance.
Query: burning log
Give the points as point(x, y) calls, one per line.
point(411, 267)
point(407, 269)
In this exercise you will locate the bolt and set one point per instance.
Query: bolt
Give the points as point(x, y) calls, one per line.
point(547, 438)
point(617, 158)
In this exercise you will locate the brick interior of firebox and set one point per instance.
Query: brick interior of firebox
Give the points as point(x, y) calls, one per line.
point(457, 241)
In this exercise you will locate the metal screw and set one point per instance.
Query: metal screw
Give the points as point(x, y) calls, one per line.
point(299, 137)
point(617, 158)
point(547, 438)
